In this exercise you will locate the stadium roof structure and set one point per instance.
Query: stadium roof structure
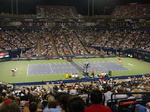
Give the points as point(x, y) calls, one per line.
point(84, 7)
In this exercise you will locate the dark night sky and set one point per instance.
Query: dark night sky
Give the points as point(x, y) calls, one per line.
point(29, 6)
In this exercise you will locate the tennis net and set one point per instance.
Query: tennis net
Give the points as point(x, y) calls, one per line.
point(79, 67)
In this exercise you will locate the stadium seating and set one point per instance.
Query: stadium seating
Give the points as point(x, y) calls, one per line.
point(77, 38)
point(131, 11)
point(56, 12)
point(73, 42)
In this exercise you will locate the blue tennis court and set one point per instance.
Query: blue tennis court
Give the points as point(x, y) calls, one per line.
point(63, 68)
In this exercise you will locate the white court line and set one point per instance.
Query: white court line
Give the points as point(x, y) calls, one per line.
point(101, 66)
point(130, 64)
point(27, 69)
point(50, 67)
point(27, 73)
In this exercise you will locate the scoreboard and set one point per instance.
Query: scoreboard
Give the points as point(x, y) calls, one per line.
point(4, 54)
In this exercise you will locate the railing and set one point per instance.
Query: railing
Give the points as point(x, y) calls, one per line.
point(127, 104)
point(76, 80)
point(18, 16)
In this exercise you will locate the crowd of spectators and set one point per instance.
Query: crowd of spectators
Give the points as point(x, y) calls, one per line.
point(132, 38)
point(123, 39)
point(71, 97)
point(115, 23)
point(57, 12)
point(116, 37)
point(74, 43)
point(103, 39)
point(18, 16)
point(11, 40)
point(78, 42)
point(88, 37)
point(140, 11)
point(61, 44)
point(128, 23)
point(63, 24)
point(46, 44)
point(144, 43)
point(35, 23)
point(131, 11)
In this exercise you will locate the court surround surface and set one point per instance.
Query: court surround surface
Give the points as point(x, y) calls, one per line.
point(63, 68)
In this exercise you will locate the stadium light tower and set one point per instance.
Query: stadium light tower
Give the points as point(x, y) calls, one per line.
point(93, 7)
point(88, 7)
point(12, 7)
point(17, 7)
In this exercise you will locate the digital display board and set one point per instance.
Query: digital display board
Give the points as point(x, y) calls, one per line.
point(4, 54)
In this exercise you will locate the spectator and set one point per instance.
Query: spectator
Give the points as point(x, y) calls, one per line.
point(63, 102)
point(107, 94)
point(1, 100)
point(7, 101)
point(33, 107)
point(73, 91)
point(96, 99)
point(76, 104)
point(51, 105)
point(12, 106)
point(142, 108)
point(57, 98)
